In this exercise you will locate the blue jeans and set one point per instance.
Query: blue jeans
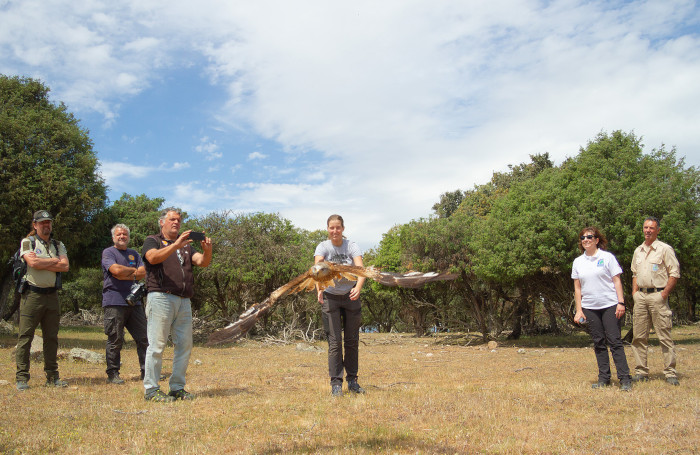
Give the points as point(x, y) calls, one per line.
point(167, 314)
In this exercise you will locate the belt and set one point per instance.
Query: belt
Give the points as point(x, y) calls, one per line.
point(651, 290)
point(41, 290)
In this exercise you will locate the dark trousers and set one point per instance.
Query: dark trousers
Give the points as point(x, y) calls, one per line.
point(605, 332)
point(38, 309)
point(133, 318)
point(349, 326)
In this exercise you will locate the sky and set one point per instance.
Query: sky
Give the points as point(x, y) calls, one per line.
point(370, 109)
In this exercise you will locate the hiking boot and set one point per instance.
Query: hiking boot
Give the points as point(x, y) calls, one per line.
point(673, 380)
point(640, 378)
point(115, 379)
point(337, 390)
point(22, 385)
point(181, 394)
point(600, 385)
point(159, 397)
point(353, 386)
point(625, 386)
point(55, 382)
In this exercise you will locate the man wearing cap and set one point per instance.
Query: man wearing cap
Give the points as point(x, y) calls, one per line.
point(46, 259)
point(655, 271)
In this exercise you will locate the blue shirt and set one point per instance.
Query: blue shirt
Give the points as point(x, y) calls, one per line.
point(114, 291)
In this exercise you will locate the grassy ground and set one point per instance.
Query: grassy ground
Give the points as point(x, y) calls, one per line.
point(424, 395)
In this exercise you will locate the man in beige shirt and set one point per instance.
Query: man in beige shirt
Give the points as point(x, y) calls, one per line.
point(46, 259)
point(655, 271)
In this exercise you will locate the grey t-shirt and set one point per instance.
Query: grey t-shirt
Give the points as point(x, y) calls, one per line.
point(343, 254)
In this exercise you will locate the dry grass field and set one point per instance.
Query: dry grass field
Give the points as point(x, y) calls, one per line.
point(424, 395)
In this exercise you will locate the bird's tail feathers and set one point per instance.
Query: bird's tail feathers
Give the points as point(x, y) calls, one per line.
point(245, 322)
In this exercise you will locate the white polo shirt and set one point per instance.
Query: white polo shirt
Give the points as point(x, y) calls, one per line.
point(595, 274)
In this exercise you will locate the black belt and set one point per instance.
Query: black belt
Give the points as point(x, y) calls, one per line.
point(41, 290)
point(651, 290)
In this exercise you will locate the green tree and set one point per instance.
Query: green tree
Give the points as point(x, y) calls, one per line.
point(254, 255)
point(46, 162)
point(140, 213)
point(448, 204)
point(530, 234)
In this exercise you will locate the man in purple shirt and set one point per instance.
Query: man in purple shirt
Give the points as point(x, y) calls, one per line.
point(122, 267)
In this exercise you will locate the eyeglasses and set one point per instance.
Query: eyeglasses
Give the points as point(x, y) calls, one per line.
point(589, 236)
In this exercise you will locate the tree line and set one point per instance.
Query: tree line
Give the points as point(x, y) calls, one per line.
point(512, 240)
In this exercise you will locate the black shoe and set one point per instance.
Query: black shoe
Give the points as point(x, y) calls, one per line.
point(353, 386)
point(181, 394)
point(22, 385)
point(55, 382)
point(143, 374)
point(640, 378)
point(337, 390)
point(600, 385)
point(159, 397)
point(625, 386)
point(115, 379)
point(673, 380)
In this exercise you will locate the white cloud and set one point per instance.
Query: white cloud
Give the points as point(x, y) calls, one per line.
point(112, 170)
point(208, 148)
point(175, 166)
point(402, 100)
point(256, 156)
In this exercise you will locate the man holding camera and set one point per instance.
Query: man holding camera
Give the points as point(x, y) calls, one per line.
point(121, 299)
point(169, 258)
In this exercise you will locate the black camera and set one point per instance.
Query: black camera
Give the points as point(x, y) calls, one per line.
point(136, 293)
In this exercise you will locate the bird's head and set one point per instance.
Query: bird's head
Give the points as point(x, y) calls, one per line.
point(321, 271)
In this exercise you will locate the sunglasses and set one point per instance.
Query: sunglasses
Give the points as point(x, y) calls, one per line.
point(589, 236)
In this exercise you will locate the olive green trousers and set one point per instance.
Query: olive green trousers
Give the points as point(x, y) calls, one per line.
point(38, 309)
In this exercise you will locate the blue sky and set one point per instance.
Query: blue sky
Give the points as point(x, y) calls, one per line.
point(368, 109)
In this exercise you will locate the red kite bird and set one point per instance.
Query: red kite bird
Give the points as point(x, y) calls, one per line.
point(322, 273)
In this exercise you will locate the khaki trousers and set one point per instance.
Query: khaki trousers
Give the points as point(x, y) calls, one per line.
point(652, 309)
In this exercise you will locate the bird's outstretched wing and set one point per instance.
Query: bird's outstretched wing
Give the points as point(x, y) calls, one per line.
point(404, 280)
point(248, 318)
point(321, 274)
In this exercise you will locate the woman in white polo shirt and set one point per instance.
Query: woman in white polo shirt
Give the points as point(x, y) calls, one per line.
point(600, 303)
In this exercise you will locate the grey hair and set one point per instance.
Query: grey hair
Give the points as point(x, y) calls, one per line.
point(654, 219)
point(121, 226)
point(165, 211)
